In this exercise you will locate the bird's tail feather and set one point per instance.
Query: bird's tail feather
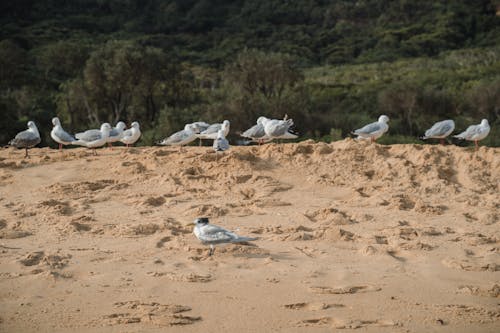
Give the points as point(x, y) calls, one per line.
point(244, 239)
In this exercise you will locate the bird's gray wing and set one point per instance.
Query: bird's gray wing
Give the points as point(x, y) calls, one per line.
point(64, 136)
point(278, 128)
point(89, 135)
point(439, 129)
point(214, 128)
point(221, 144)
point(368, 129)
point(25, 139)
point(214, 234)
point(254, 132)
point(176, 137)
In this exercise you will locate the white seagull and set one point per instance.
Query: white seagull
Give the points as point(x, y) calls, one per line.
point(221, 143)
point(93, 140)
point(130, 136)
point(374, 130)
point(257, 133)
point(59, 135)
point(26, 139)
point(475, 132)
point(279, 129)
point(181, 138)
point(440, 130)
point(211, 234)
point(211, 132)
point(116, 133)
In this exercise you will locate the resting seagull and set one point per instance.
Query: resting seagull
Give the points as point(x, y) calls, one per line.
point(26, 139)
point(440, 130)
point(59, 135)
point(94, 140)
point(130, 136)
point(475, 132)
point(181, 138)
point(211, 234)
point(221, 143)
point(257, 133)
point(211, 132)
point(279, 129)
point(374, 130)
point(198, 127)
point(116, 133)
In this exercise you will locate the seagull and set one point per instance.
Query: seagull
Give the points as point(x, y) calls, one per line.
point(279, 129)
point(116, 133)
point(26, 139)
point(212, 234)
point(93, 140)
point(91, 134)
point(211, 132)
point(198, 127)
point(374, 130)
point(256, 132)
point(130, 136)
point(181, 138)
point(221, 143)
point(440, 130)
point(475, 132)
point(59, 135)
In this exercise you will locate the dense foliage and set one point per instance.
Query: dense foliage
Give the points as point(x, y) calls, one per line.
point(331, 65)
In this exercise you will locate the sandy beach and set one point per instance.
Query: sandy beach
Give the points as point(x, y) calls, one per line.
point(352, 236)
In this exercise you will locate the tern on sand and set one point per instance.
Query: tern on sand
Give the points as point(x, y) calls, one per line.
point(211, 234)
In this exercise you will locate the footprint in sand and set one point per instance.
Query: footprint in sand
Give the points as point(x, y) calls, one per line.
point(346, 324)
point(153, 313)
point(345, 290)
point(191, 277)
point(312, 306)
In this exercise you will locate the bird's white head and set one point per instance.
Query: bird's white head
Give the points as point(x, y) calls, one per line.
point(121, 125)
point(262, 120)
point(135, 124)
point(56, 122)
point(484, 122)
point(105, 125)
point(383, 119)
point(201, 221)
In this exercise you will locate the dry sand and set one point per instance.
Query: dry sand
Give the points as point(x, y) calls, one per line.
point(401, 238)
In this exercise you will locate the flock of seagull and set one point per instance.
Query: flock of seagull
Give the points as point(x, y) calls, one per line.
point(265, 130)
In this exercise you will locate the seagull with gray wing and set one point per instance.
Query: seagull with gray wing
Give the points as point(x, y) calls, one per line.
point(440, 130)
point(373, 131)
point(210, 234)
point(475, 132)
point(26, 139)
point(59, 135)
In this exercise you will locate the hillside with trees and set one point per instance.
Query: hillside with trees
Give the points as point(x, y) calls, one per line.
point(330, 65)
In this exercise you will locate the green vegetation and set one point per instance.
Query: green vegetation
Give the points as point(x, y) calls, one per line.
point(332, 66)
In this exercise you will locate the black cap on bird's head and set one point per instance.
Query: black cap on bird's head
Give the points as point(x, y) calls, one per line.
point(201, 220)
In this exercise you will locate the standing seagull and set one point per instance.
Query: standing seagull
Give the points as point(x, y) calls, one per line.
point(440, 130)
point(116, 133)
point(211, 132)
point(257, 133)
point(93, 140)
point(374, 130)
point(181, 138)
point(475, 132)
point(26, 139)
point(279, 129)
point(59, 135)
point(212, 234)
point(130, 136)
point(221, 143)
